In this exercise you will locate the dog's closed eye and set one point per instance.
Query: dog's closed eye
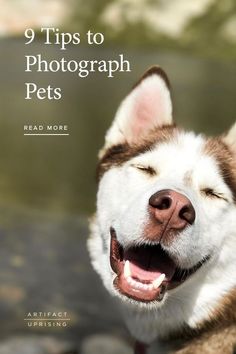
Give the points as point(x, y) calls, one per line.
point(210, 192)
point(146, 169)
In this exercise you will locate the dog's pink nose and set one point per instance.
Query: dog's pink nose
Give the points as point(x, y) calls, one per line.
point(172, 208)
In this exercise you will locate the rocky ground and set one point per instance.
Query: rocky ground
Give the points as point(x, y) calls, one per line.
point(103, 343)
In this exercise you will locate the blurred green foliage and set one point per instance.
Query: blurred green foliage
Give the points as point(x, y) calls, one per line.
point(204, 34)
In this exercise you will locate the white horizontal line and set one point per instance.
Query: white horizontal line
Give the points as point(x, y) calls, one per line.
point(51, 134)
point(46, 319)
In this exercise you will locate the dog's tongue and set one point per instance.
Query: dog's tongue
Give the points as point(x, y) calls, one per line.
point(146, 264)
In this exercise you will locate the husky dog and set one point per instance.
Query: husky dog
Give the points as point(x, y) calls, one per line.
point(164, 236)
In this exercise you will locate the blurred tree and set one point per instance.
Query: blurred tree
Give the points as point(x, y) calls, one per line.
point(203, 26)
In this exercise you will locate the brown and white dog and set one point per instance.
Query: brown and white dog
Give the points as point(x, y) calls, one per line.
point(164, 236)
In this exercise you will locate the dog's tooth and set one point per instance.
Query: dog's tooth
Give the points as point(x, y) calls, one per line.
point(127, 271)
point(139, 285)
point(129, 279)
point(150, 287)
point(145, 287)
point(157, 282)
point(132, 282)
point(136, 284)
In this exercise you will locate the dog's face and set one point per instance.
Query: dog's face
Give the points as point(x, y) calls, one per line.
point(166, 199)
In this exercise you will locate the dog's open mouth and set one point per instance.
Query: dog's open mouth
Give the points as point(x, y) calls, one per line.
point(145, 273)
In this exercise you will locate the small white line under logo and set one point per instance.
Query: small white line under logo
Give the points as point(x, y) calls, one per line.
point(44, 134)
point(46, 319)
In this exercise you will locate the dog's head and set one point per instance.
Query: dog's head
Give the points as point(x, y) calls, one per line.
point(166, 198)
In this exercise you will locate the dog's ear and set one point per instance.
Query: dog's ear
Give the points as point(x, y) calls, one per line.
point(230, 138)
point(146, 107)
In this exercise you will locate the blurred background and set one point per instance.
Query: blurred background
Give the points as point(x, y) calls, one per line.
point(47, 184)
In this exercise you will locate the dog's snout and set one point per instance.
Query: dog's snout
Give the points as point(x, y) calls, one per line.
point(172, 208)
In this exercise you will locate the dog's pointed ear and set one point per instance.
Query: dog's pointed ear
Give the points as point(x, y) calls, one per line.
point(230, 138)
point(146, 107)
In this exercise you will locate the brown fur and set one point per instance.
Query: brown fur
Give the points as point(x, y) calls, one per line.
point(215, 336)
point(221, 341)
point(226, 310)
point(217, 148)
point(157, 71)
point(119, 154)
